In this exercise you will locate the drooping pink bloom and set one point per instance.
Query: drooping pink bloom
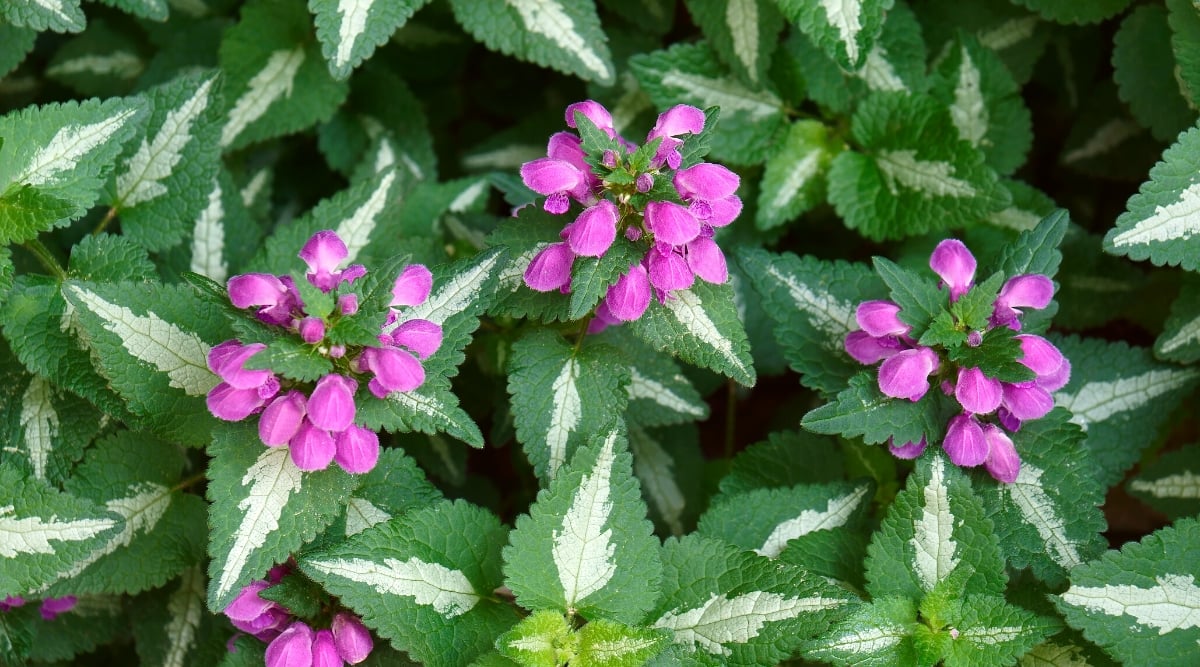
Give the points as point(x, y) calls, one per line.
point(976, 392)
point(241, 391)
point(353, 640)
point(420, 336)
point(312, 448)
point(551, 268)
point(52, 607)
point(593, 111)
point(558, 179)
point(312, 330)
point(909, 450)
point(671, 124)
point(671, 223)
point(705, 259)
point(253, 615)
point(412, 286)
point(395, 370)
point(331, 405)
point(357, 449)
point(955, 264)
point(880, 318)
point(1002, 463)
point(1030, 290)
point(867, 349)
point(324, 651)
point(323, 253)
point(906, 373)
point(1027, 400)
point(292, 648)
point(11, 602)
point(668, 269)
point(275, 296)
point(629, 297)
point(1042, 357)
point(964, 442)
point(593, 232)
point(281, 419)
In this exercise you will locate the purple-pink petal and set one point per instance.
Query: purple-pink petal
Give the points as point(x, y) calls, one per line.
point(547, 176)
point(353, 639)
point(1030, 290)
point(292, 648)
point(1039, 355)
point(880, 318)
point(247, 605)
point(594, 111)
point(395, 370)
point(955, 265)
point(628, 298)
point(705, 181)
point(671, 223)
point(412, 286)
point(331, 405)
point(357, 449)
point(225, 402)
point(976, 392)
point(550, 268)
point(281, 419)
point(256, 289)
point(348, 304)
point(52, 607)
point(669, 271)
point(1002, 463)
point(1027, 400)
point(567, 147)
point(679, 119)
point(706, 260)
point(906, 374)
point(594, 230)
point(420, 336)
point(324, 651)
point(723, 211)
point(312, 330)
point(867, 349)
point(964, 442)
point(909, 450)
point(312, 448)
point(323, 253)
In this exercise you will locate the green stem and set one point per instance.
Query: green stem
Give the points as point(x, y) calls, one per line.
point(582, 333)
point(104, 222)
point(43, 255)
point(190, 481)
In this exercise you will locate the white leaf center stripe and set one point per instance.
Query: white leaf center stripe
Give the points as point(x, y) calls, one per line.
point(1188, 333)
point(121, 64)
point(798, 175)
point(354, 22)
point(1178, 220)
point(878, 72)
point(430, 584)
point(837, 512)
point(208, 239)
point(583, 551)
point(969, 113)
point(141, 512)
point(68, 146)
point(273, 478)
point(1009, 33)
point(32, 535)
point(831, 315)
point(509, 157)
point(54, 6)
point(722, 620)
point(255, 187)
point(742, 18)
point(654, 467)
point(642, 387)
point(511, 278)
point(1095, 402)
point(185, 609)
point(533, 643)
point(993, 635)
point(468, 196)
point(844, 16)
point(931, 179)
point(1109, 136)
point(385, 156)
point(933, 531)
point(1172, 605)
point(612, 650)
point(547, 18)
point(361, 514)
point(273, 82)
point(1183, 485)
point(726, 93)
point(867, 640)
point(566, 413)
point(154, 160)
point(687, 308)
point(424, 404)
point(356, 230)
point(39, 424)
point(1039, 510)
point(455, 296)
point(179, 354)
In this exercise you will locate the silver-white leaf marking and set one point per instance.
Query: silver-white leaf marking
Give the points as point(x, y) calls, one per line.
point(603, 651)
point(155, 160)
point(1095, 402)
point(723, 620)
point(836, 513)
point(1187, 334)
point(208, 239)
point(356, 230)
point(990, 636)
point(933, 531)
point(566, 413)
point(1185, 485)
point(273, 82)
point(642, 387)
point(255, 187)
point(448, 591)
point(385, 157)
point(422, 403)
point(724, 92)
point(39, 423)
point(547, 18)
point(272, 479)
point(845, 17)
point(68, 146)
point(1109, 136)
point(741, 16)
point(798, 175)
point(1015, 218)
point(55, 7)
point(831, 315)
point(507, 157)
point(32, 535)
point(454, 296)
point(119, 64)
point(878, 72)
point(931, 179)
point(470, 194)
point(1039, 510)
point(353, 24)
point(179, 354)
point(583, 549)
point(1009, 33)
point(1174, 604)
point(513, 275)
point(867, 640)
point(361, 514)
point(1178, 220)
point(689, 311)
point(969, 110)
point(655, 468)
point(185, 609)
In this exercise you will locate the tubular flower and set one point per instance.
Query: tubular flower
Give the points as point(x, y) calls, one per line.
point(670, 210)
point(990, 407)
point(315, 420)
point(292, 642)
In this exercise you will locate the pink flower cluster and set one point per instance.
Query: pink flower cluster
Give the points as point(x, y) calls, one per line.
point(989, 406)
point(676, 226)
point(318, 425)
point(49, 609)
point(293, 643)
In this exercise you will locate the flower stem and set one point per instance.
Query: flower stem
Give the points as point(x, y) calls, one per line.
point(104, 222)
point(46, 258)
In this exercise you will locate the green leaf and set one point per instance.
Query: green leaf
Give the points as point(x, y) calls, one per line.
point(46, 429)
point(1049, 518)
point(836, 554)
point(1156, 224)
point(431, 408)
point(784, 459)
point(293, 359)
point(350, 33)
point(1171, 484)
point(1087, 12)
point(1180, 338)
point(151, 342)
point(263, 508)
point(862, 410)
point(914, 174)
point(525, 236)
point(670, 466)
point(743, 33)
point(94, 621)
point(606, 644)
point(1018, 36)
point(156, 194)
point(549, 381)
point(15, 43)
point(1121, 398)
point(221, 238)
point(794, 174)
point(65, 151)
point(155, 10)
point(26, 211)
point(1144, 69)
point(565, 36)
point(421, 586)
point(658, 393)
point(879, 634)
point(765, 520)
point(701, 326)
point(935, 529)
point(172, 623)
point(996, 356)
point(394, 486)
point(542, 639)
point(40, 15)
point(1185, 43)
point(691, 74)
point(586, 547)
point(727, 606)
point(592, 276)
point(993, 632)
point(108, 258)
point(844, 31)
point(984, 102)
point(101, 62)
point(919, 299)
point(1140, 603)
point(277, 82)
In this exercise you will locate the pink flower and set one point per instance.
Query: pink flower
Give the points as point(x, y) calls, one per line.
point(251, 614)
point(412, 286)
point(292, 648)
point(909, 450)
point(281, 420)
point(353, 640)
point(312, 448)
point(331, 405)
point(52, 607)
point(551, 268)
point(1002, 462)
point(276, 296)
point(629, 297)
point(593, 231)
point(955, 264)
point(558, 180)
point(1031, 290)
point(965, 443)
point(705, 259)
point(323, 253)
point(357, 449)
point(671, 223)
point(678, 120)
point(668, 269)
point(906, 373)
point(420, 336)
point(594, 111)
point(241, 391)
point(324, 651)
point(394, 369)
point(880, 318)
point(976, 392)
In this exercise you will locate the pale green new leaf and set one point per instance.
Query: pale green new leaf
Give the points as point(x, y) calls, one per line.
point(743, 32)
point(1141, 603)
point(1144, 70)
point(56, 15)
point(1159, 222)
point(794, 174)
point(263, 508)
point(691, 74)
point(845, 31)
point(276, 79)
point(564, 35)
point(879, 634)
point(424, 581)
point(586, 547)
point(562, 395)
point(1180, 338)
point(1075, 12)
point(603, 643)
point(351, 30)
point(1171, 484)
point(544, 638)
point(1121, 397)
